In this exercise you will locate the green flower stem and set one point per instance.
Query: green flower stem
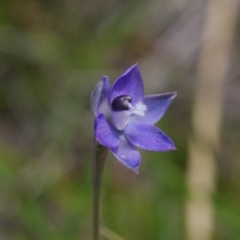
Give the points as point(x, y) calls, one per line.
point(99, 156)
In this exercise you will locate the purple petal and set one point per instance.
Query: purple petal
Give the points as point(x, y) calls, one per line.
point(130, 83)
point(127, 154)
point(148, 137)
point(99, 96)
point(105, 133)
point(156, 108)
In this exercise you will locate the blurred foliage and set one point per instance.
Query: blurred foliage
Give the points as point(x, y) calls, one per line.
point(51, 55)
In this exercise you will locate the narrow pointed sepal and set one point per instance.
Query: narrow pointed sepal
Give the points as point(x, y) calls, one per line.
point(127, 154)
point(99, 97)
point(148, 137)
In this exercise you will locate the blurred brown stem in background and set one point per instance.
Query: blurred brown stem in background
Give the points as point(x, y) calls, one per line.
point(206, 119)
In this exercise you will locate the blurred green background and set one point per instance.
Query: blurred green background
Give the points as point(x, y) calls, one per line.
point(52, 53)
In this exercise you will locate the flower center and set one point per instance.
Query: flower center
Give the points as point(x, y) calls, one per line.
point(121, 103)
point(122, 109)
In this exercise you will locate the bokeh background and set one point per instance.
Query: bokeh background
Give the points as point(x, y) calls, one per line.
point(52, 53)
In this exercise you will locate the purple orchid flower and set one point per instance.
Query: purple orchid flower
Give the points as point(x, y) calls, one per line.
point(125, 118)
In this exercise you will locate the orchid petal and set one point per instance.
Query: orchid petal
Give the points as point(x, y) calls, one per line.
point(105, 133)
point(127, 154)
point(130, 84)
point(148, 137)
point(156, 105)
point(99, 96)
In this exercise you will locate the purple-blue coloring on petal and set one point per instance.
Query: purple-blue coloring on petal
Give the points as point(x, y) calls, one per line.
point(99, 97)
point(130, 84)
point(127, 154)
point(148, 137)
point(105, 132)
point(156, 105)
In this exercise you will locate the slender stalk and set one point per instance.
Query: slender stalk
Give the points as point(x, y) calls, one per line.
point(99, 156)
